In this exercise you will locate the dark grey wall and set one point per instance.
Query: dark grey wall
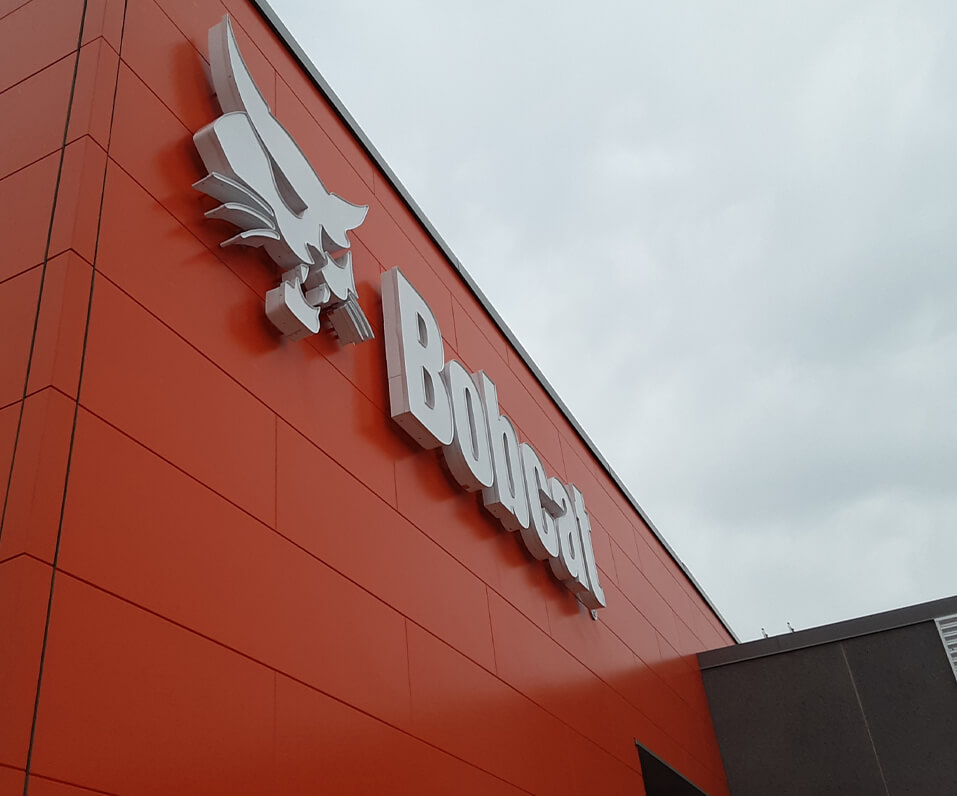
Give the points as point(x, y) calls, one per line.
point(660, 779)
point(872, 714)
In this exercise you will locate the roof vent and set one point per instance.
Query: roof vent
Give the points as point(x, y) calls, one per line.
point(947, 626)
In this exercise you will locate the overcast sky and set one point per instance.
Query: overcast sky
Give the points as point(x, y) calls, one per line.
point(727, 234)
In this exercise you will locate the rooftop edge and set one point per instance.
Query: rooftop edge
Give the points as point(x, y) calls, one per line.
point(828, 634)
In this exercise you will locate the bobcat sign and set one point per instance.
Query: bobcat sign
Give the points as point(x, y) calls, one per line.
point(440, 404)
point(267, 188)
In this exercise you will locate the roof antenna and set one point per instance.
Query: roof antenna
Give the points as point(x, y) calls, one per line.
point(789, 627)
point(764, 632)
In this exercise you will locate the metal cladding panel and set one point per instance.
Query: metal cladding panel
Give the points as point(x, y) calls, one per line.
point(44, 185)
point(873, 713)
point(791, 724)
point(240, 574)
point(909, 697)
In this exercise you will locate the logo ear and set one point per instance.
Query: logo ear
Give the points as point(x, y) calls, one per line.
point(296, 182)
point(234, 85)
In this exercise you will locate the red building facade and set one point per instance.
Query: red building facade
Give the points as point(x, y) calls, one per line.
point(223, 567)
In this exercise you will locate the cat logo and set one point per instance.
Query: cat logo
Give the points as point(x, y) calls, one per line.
point(270, 191)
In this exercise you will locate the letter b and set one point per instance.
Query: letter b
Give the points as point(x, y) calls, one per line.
point(415, 357)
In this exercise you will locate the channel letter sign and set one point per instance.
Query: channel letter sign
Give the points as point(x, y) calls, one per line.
point(268, 189)
point(441, 405)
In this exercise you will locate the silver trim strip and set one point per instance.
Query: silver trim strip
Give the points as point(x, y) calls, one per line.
point(947, 627)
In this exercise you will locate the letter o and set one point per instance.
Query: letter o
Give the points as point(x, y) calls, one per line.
point(468, 456)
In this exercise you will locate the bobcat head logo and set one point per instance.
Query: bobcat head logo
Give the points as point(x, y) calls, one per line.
point(270, 191)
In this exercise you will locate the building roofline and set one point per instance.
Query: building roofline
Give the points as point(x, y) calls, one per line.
point(828, 634)
point(286, 36)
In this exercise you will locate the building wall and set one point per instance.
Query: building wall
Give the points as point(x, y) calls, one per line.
point(875, 713)
point(223, 568)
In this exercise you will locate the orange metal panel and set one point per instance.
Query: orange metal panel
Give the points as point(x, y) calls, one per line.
point(104, 18)
point(36, 35)
point(78, 199)
point(601, 542)
point(425, 249)
point(523, 580)
point(24, 591)
point(132, 703)
point(592, 643)
point(535, 389)
point(182, 282)
point(36, 111)
point(9, 6)
point(190, 290)
point(41, 786)
point(381, 235)
point(323, 746)
point(199, 561)
point(18, 310)
point(474, 715)
point(162, 57)
point(92, 110)
point(359, 535)
point(39, 473)
point(170, 162)
point(194, 18)
point(431, 499)
point(27, 201)
point(11, 781)
point(147, 381)
point(9, 419)
point(536, 666)
point(600, 505)
point(61, 325)
point(643, 595)
point(473, 343)
point(630, 625)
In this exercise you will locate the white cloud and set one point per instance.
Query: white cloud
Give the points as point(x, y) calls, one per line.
point(737, 220)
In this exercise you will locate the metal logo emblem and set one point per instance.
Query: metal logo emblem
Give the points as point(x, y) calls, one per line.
point(270, 191)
